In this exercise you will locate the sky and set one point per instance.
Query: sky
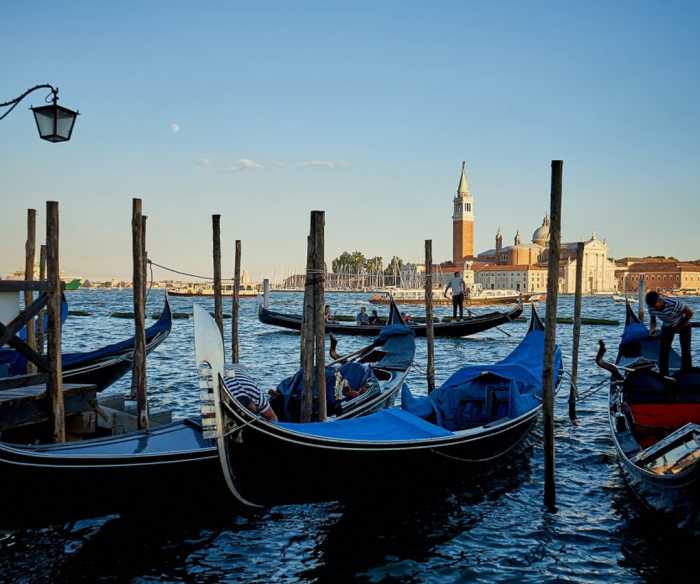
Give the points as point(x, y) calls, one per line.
point(264, 111)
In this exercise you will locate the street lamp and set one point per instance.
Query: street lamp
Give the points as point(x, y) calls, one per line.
point(54, 122)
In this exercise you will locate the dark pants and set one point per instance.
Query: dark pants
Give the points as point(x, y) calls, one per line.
point(458, 301)
point(667, 334)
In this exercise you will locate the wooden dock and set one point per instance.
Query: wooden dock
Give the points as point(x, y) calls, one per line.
point(27, 405)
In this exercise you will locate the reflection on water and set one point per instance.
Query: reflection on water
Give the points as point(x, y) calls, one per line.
point(493, 530)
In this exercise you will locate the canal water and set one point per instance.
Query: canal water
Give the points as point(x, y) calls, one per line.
point(496, 530)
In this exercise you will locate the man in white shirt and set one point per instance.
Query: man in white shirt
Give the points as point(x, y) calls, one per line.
point(457, 285)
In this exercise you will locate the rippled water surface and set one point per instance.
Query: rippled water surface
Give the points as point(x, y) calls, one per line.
point(494, 531)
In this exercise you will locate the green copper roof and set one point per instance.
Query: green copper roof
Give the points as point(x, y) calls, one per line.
point(463, 188)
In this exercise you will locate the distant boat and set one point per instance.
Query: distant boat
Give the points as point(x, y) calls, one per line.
point(469, 325)
point(618, 298)
point(73, 285)
point(207, 290)
point(480, 298)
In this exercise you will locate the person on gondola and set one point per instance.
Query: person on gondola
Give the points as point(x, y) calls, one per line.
point(675, 316)
point(407, 318)
point(458, 289)
point(246, 391)
point(374, 318)
point(362, 318)
point(328, 316)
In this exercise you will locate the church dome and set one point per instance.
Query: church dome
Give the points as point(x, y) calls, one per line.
point(541, 234)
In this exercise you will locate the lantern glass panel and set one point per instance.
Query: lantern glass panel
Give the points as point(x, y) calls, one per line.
point(44, 117)
point(65, 119)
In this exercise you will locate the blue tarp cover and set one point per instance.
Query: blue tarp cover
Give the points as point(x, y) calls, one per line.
point(637, 343)
point(392, 424)
point(478, 394)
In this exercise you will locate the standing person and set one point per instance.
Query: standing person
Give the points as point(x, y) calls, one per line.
point(458, 288)
point(675, 316)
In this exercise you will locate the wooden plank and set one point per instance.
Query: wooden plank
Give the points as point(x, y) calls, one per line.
point(22, 285)
point(21, 320)
point(22, 380)
point(29, 407)
point(29, 354)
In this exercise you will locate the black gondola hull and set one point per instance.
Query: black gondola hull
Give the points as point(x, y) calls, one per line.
point(676, 498)
point(270, 466)
point(467, 326)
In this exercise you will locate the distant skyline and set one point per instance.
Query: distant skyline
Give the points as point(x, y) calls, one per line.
point(365, 110)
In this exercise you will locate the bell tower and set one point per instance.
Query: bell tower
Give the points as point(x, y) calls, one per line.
point(462, 222)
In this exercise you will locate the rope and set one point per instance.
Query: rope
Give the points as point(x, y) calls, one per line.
point(174, 271)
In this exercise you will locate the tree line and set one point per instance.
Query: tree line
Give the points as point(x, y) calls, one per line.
point(355, 262)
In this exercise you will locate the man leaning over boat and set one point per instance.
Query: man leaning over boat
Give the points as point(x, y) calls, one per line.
point(675, 317)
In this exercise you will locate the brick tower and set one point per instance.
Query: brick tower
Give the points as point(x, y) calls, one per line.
point(462, 223)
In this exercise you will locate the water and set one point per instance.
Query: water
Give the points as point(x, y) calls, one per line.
point(494, 531)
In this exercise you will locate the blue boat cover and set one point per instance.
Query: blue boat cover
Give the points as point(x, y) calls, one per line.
point(479, 394)
point(637, 343)
point(388, 425)
point(399, 345)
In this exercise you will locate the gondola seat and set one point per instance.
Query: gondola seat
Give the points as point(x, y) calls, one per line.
point(657, 407)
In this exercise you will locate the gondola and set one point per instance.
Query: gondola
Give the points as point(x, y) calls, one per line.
point(171, 467)
point(101, 367)
point(479, 416)
point(655, 425)
point(460, 328)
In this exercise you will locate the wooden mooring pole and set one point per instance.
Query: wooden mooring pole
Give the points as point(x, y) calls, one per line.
point(550, 333)
point(138, 379)
point(145, 259)
point(577, 330)
point(641, 297)
point(307, 336)
point(30, 252)
point(236, 303)
point(218, 300)
point(54, 385)
point(429, 331)
point(318, 221)
point(40, 319)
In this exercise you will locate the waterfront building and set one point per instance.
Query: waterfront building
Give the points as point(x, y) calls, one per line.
point(522, 278)
point(664, 275)
point(598, 269)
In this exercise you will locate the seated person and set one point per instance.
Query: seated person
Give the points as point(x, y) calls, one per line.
point(362, 318)
point(245, 390)
point(407, 318)
point(328, 316)
point(374, 318)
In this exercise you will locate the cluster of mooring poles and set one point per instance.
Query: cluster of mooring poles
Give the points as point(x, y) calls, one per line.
point(42, 367)
point(236, 289)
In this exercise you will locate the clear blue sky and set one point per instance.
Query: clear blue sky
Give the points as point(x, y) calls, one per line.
point(364, 109)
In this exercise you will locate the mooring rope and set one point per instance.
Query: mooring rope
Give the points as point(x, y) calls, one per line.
point(174, 271)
